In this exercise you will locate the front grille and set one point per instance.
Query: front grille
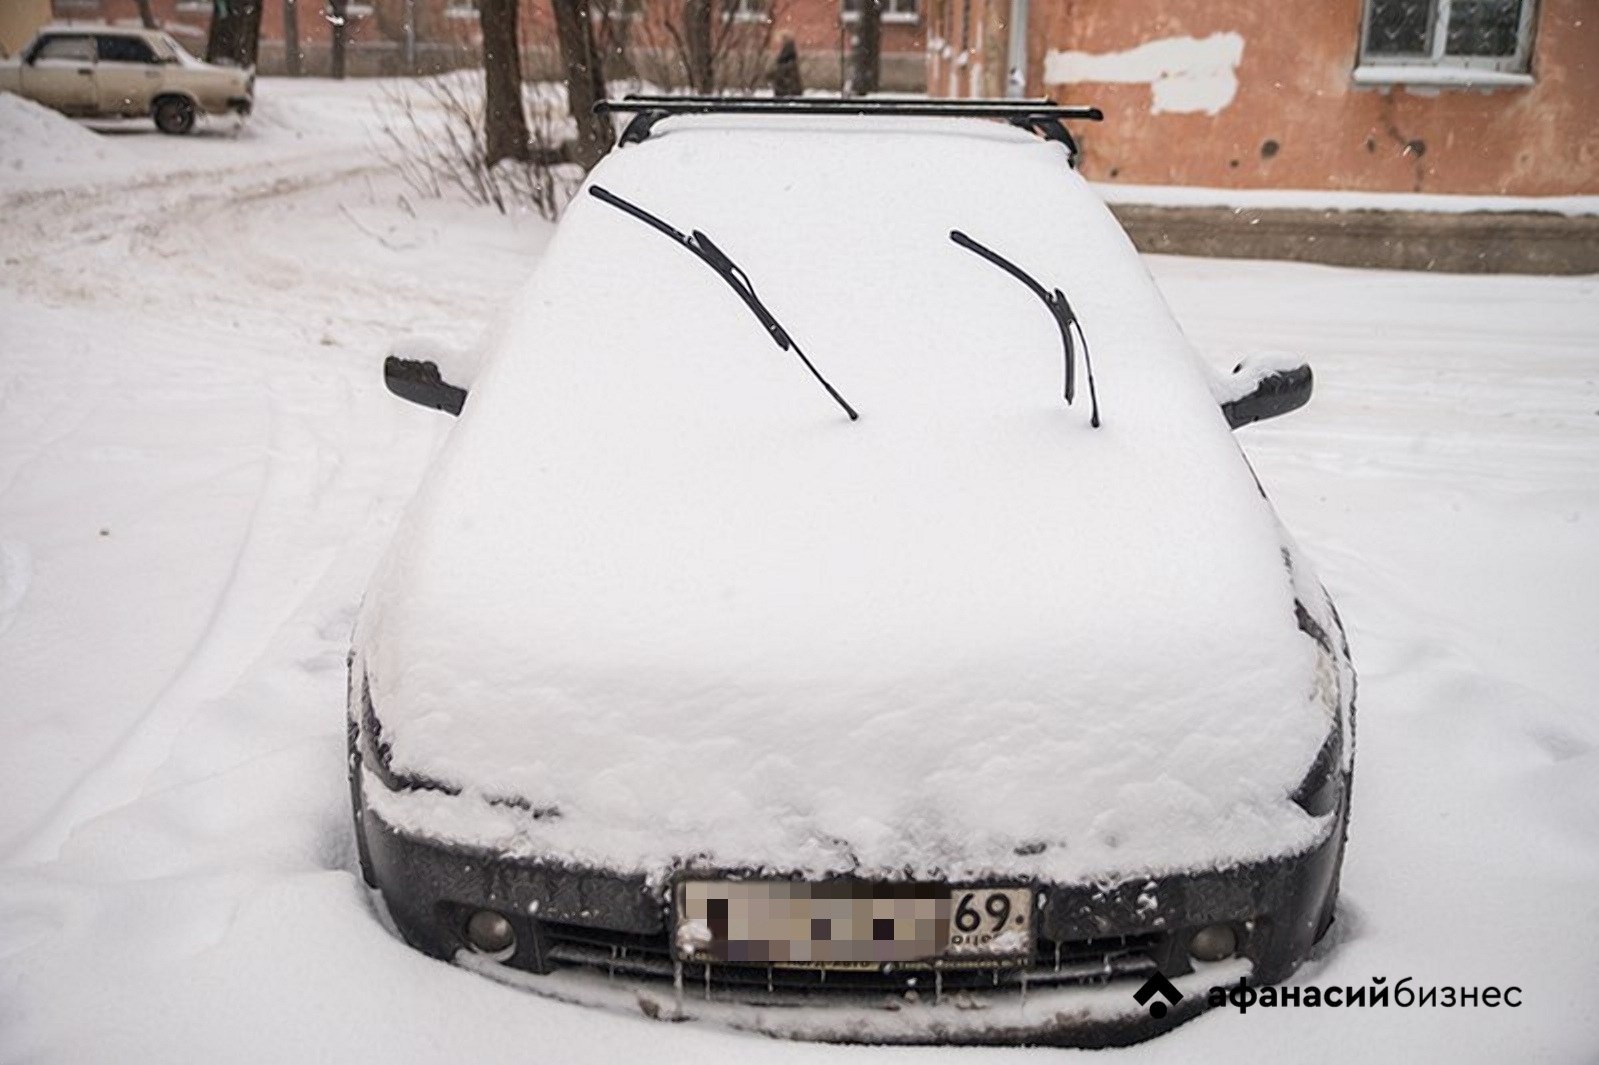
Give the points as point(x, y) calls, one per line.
point(649, 957)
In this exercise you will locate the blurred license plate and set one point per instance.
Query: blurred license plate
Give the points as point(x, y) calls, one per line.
point(844, 924)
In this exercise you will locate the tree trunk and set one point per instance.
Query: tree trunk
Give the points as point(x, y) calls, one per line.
point(504, 122)
point(697, 16)
point(585, 80)
point(147, 16)
point(235, 33)
point(786, 71)
point(291, 38)
point(868, 49)
point(339, 17)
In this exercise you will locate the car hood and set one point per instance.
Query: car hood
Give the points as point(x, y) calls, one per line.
point(660, 603)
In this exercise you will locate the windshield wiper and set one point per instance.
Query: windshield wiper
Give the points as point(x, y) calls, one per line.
point(1065, 318)
point(728, 271)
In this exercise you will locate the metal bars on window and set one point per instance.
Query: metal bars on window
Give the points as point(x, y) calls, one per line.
point(1479, 34)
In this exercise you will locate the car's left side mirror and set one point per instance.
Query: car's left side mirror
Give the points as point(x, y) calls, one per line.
point(1264, 386)
point(420, 383)
point(430, 373)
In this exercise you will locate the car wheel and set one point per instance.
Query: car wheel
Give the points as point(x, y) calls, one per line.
point(174, 114)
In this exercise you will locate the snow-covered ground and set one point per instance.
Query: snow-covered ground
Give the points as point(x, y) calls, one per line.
point(199, 467)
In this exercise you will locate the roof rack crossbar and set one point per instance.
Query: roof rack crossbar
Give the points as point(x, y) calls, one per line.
point(1003, 103)
point(843, 105)
point(1044, 117)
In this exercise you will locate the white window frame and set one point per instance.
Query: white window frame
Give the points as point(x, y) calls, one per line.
point(910, 17)
point(1518, 63)
point(618, 11)
point(746, 11)
point(464, 9)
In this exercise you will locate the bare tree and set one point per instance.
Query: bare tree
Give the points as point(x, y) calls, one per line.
point(147, 16)
point(585, 80)
point(504, 124)
point(695, 44)
point(235, 35)
point(447, 157)
point(866, 74)
point(291, 38)
point(338, 14)
point(712, 46)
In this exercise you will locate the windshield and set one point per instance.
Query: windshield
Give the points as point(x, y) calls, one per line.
point(170, 51)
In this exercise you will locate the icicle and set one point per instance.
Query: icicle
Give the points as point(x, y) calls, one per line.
point(1024, 989)
point(677, 983)
point(768, 979)
point(612, 967)
point(938, 985)
point(1057, 957)
point(707, 980)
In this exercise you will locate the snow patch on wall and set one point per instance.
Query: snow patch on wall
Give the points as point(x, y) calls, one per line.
point(1186, 74)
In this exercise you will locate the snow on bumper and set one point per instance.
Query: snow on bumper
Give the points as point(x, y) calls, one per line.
point(591, 935)
point(1105, 1015)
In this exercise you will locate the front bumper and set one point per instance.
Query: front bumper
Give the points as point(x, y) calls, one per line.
point(592, 936)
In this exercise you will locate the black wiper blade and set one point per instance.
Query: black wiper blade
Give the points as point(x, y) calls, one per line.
point(707, 252)
point(1059, 308)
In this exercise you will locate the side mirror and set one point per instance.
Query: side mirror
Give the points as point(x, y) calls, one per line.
point(420, 383)
point(1264, 386)
point(416, 370)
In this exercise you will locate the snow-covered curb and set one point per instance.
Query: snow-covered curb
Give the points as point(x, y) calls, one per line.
point(1322, 200)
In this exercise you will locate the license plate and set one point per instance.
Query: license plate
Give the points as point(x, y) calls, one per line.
point(840, 924)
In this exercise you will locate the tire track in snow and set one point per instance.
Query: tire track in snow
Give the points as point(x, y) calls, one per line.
point(213, 267)
point(249, 609)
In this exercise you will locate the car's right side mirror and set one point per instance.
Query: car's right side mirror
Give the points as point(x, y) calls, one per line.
point(1264, 386)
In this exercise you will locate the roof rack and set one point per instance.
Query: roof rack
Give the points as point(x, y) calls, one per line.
point(1042, 116)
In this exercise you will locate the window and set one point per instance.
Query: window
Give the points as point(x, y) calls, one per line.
point(125, 50)
point(748, 10)
point(460, 9)
point(893, 10)
point(65, 50)
point(1492, 35)
point(607, 11)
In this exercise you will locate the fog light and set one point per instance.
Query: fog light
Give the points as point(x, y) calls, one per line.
point(1213, 943)
point(490, 933)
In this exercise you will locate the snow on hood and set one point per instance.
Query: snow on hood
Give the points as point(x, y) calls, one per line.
point(657, 581)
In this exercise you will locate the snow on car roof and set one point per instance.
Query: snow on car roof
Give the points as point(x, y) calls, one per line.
point(659, 582)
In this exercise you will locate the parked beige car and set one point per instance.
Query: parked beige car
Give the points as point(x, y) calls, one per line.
point(118, 72)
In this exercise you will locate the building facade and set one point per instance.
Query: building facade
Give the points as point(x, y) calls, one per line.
point(394, 37)
point(1491, 97)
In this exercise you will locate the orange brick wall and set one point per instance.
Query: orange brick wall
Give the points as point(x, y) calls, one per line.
point(1297, 120)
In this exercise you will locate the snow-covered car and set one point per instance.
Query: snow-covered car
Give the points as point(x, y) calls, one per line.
point(772, 643)
point(123, 72)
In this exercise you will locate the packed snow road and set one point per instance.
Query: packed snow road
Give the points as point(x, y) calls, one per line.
point(199, 465)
